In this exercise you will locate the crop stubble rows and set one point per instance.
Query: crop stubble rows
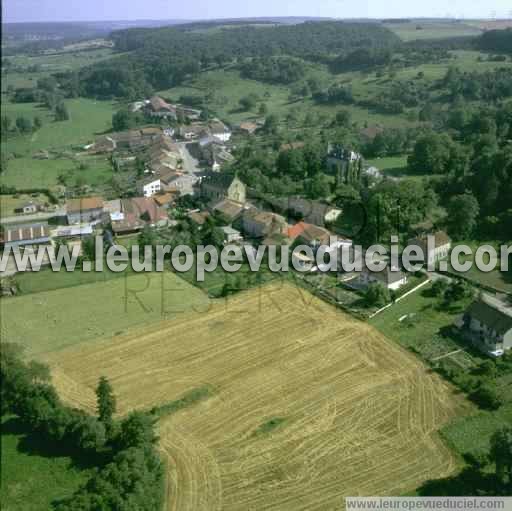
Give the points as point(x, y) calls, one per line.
point(360, 415)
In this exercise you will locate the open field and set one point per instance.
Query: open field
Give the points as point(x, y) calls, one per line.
point(424, 29)
point(33, 475)
point(54, 319)
point(44, 65)
point(88, 118)
point(306, 404)
point(233, 87)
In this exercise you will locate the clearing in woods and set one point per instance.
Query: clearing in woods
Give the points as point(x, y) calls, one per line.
point(307, 404)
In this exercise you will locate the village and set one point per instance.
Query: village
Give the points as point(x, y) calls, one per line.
point(180, 184)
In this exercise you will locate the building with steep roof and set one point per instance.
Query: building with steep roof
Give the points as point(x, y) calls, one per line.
point(219, 186)
point(487, 324)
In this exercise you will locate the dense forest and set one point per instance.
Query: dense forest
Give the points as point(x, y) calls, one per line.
point(164, 57)
point(497, 40)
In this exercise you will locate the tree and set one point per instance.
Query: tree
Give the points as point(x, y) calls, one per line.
point(23, 124)
point(121, 120)
point(458, 291)
point(61, 112)
point(137, 430)
point(377, 295)
point(463, 211)
point(4, 163)
point(501, 454)
point(248, 102)
point(263, 109)
point(38, 123)
point(106, 403)
point(343, 118)
point(487, 396)
point(271, 124)
point(431, 153)
point(6, 123)
point(439, 287)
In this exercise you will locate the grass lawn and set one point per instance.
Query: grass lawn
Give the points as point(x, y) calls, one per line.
point(393, 166)
point(24, 173)
point(70, 315)
point(214, 282)
point(33, 476)
point(496, 278)
point(8, 203)
point(88, 118)
point(228, 88)
point(420, 330)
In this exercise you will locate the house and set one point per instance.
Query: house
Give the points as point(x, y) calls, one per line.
point(487, 324)
point(261, 224)
point(440, 246)
point(150, 185)
point(231, 235)
point(179, 182)
point(223, 186)
point(345, 164)
point(167, 199)
point(392, 279)
point(158, 107)
point(229, 210)
point(192, 114)
point(309, 234)
point(87, 209)
point(23, 235)
point(27, 208)
point(138, 212)
point(193, 131)
point(72, 231)
point(219, 131)
point(311, 211)
point(198, 217)
point(248, 127)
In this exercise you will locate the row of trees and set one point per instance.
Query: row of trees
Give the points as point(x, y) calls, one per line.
point(130, 473)
point(22, 124)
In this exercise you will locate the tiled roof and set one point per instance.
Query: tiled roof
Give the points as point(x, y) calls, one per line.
point(84, 204)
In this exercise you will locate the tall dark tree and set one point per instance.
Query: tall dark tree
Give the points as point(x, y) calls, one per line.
point(501, 454)
point(106, 402)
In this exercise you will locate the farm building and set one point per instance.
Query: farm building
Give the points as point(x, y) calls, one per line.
point(87, 209)
point(137, 213)
point(437, 249)
point(23, 235)
point(27, 208)
point(392, 279)
point(487, 324)
point(158, 107)
point(261, 224)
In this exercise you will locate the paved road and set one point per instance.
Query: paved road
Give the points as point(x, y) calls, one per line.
point(190, 164)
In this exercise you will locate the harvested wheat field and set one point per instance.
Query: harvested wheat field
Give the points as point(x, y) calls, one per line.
point(308, 405)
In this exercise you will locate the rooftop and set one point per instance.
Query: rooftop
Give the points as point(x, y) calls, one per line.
point(84, 204)
point(492, 312)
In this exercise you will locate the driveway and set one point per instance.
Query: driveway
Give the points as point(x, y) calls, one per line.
point(190, 164)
